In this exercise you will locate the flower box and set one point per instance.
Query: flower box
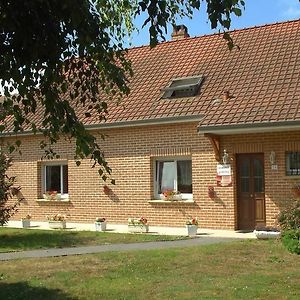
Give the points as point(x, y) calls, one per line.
point(138, 228)
point(25, 223)
point(192, 230)
point(53, 195)
point(138, 225)
point(57, 224)
point(263, 234)
point(100, 226)
point(170, 195)
point(176, 197)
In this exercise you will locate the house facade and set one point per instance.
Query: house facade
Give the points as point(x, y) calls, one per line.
point(220, 128)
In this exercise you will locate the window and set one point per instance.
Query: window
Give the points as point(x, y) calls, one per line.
point(293, 163)
point(55, 178)
point(183, 87)
point(174, 174)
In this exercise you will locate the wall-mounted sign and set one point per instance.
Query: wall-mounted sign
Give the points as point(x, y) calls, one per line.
point(224, 175)
point(224, 180)
point(223, 170)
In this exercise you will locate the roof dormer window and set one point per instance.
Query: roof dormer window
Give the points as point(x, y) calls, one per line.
point(183, 87)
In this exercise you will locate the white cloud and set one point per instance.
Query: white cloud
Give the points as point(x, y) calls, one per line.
point(289, 8)
point(292, 12)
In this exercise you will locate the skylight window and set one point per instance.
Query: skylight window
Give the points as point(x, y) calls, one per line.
point(183, 87)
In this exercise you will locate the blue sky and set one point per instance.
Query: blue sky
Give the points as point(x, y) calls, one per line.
point(257, 12)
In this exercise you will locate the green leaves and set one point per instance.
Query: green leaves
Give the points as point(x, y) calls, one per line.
point(62, 61)
point(60, 58)
point(219, 13)
point(237, 11)
point(162, 13)
point(291, 240)
point(7, 190)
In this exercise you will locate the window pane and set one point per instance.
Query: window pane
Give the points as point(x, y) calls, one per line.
point(52, 174)
point(166, 175)
point(293, 163)
point(65, 179)
point(184, 176)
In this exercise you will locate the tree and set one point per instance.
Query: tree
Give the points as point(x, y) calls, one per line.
point(57, 56)
point(7, 190)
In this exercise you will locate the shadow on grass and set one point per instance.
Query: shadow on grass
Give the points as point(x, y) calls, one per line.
point(29, 239)
point(23, 291)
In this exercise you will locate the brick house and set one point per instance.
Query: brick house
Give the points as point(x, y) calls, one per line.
point(221, 127)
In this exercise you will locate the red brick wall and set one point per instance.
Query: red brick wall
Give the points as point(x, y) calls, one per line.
point(130, 153)
point(277, 185)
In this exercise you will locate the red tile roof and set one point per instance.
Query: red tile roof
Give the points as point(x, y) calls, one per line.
point(262, 78)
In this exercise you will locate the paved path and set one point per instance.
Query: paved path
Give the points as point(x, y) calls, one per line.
point(114, 247)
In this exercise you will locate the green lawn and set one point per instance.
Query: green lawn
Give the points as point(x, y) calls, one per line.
point(240, 270)
point(25, 239)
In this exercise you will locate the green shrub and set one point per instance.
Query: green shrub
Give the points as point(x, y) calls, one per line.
point(290, 218)
point(7, 190)
point(289, 221)
point(291, 240)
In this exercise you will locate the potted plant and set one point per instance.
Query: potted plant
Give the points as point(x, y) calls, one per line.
point(57, 221)
point(100, 224)
point(52, 195)
point(26, 221)
point(171, 195)
point(192, 226)
point(138, 225)
point(266, 232)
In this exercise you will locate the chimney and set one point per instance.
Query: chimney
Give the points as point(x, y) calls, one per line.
point(179, 32)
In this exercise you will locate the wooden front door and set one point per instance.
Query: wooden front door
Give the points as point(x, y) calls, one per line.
point(250, 191)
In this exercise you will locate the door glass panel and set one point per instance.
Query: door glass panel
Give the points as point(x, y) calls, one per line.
point(245, 176)
point(245, 168)
point(257, 167)
point(258, 176)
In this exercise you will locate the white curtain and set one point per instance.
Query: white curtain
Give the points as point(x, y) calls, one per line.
point(167, 178)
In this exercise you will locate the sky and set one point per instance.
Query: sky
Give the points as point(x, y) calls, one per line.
point(257, 12)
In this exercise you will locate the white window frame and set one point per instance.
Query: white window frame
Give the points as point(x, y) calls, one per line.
point(185, 196)
point(44, 179)
point(288, 164)
point(189, 85)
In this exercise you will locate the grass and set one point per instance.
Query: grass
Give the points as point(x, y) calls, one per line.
point(239, 270)
point(28, 239)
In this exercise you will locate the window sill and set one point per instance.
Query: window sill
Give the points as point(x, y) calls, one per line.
point(188, 201)
point(54, 201)
point(292, 177)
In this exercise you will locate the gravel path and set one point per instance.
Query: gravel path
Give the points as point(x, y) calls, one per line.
point(53, 252)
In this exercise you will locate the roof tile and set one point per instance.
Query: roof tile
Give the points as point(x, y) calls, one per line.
point(262, 78)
